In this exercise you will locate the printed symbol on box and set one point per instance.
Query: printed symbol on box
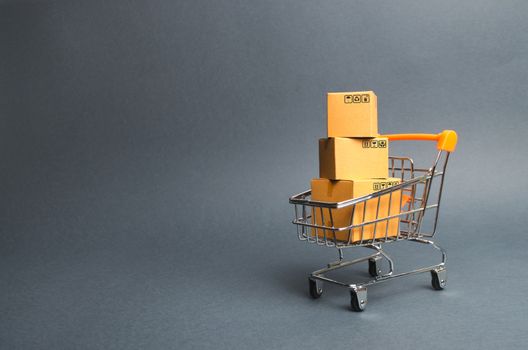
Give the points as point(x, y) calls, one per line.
point(365, 98)
point(382, 143)
point(348, 98)
point(383, 185)
point(374, 144)
point(376, 186)
point(356, 98)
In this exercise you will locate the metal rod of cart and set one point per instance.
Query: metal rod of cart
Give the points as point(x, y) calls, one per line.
point(315, 220)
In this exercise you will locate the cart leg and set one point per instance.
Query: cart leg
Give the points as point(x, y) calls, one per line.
point(358, 298)
point(315, 287)
point(374, 262)
point(374, 266)
point(439, 278)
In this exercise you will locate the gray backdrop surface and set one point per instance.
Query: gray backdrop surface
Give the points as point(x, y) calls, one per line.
point(148, 150)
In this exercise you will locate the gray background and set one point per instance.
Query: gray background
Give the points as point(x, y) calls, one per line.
point(148, 149)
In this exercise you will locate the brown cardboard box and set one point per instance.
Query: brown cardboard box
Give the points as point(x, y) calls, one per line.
point(348, 159)
point(336, 191)
point(352, 114)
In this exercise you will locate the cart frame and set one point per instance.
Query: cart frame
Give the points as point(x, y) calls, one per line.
point(416, 184)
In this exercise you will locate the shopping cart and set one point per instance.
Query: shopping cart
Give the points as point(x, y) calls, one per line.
point(418, 193)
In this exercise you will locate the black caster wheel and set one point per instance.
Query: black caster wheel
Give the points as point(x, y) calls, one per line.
point(315, 288)
point(358, 299)
point(374, 269)
point(439, 278)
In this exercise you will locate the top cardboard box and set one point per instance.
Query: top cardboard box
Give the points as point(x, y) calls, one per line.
point(352, 114)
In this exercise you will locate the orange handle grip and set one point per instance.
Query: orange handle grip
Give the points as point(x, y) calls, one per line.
point(446, 140)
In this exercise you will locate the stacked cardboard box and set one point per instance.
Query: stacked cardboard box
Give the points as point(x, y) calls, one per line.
point(353, 162)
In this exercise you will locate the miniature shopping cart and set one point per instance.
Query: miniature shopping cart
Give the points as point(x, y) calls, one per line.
point(418, 194)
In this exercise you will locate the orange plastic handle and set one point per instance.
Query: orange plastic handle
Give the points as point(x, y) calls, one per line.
point(446, 140)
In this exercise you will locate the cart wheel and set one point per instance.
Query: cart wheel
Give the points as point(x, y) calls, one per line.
point(358, 298)
point(315, 288)
point(374, 270)
point(439, 278)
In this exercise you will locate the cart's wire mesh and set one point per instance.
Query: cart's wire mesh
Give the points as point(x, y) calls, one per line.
point(391, 214)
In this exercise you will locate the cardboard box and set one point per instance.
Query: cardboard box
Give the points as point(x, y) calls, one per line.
point(348, 159)
point(336, 191)
point(352, 114)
